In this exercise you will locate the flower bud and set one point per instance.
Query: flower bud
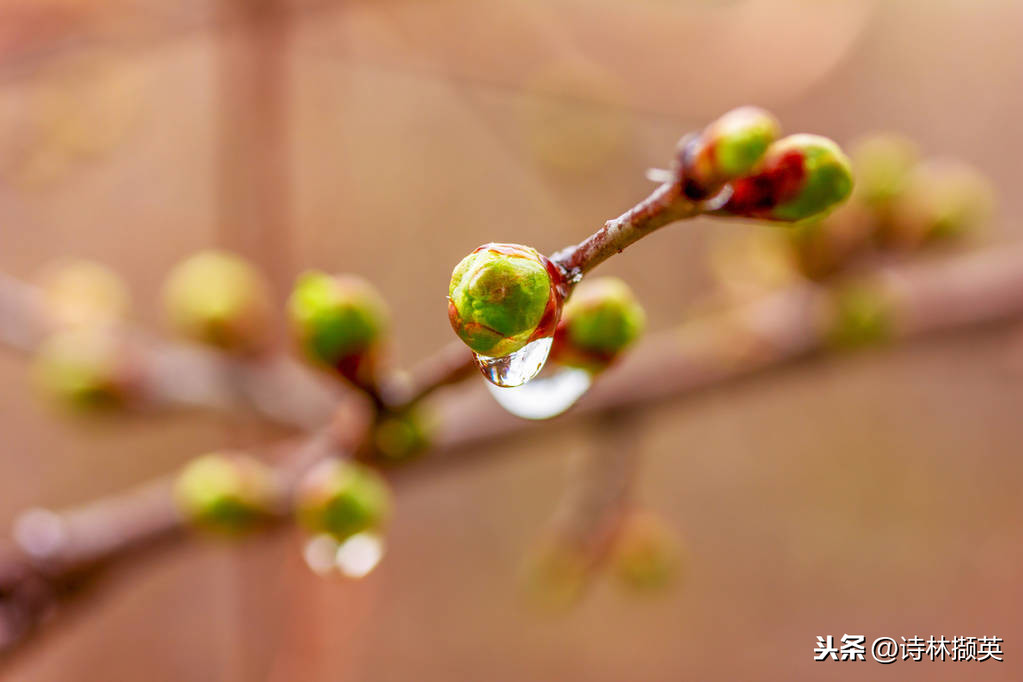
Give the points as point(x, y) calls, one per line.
point(503, 296)
point(727, 149)
point(86, 368)
point(400, 437)
point(800, 176)
point(342, 498)
point(883, 166)
point(339, 321)
point(83, 292)
point(600, 320)
point(647, 554)
point(554, 576)
point(225, 492)
point(218, 298)
point(859, 315)
point(943, 200)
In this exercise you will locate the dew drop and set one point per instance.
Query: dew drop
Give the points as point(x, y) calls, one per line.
point(359, 555)
point(546, 396)
point(319, 553)
point(516, 368)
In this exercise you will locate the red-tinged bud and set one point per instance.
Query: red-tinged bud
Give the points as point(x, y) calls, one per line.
point(728, 148)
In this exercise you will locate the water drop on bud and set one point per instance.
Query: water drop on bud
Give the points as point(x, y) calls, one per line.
point(219, 299)
point(504, 302)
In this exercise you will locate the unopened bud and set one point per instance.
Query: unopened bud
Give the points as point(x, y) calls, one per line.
point(342, 498)
point(728, 148)
point(87, 368)
point(225, 492)
point(599, 322)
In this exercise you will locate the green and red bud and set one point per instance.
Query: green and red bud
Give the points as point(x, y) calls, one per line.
point(339, 321)
point(226, 492)
point(647, 554)
point(342, 498)
point(728, 148)
point(599, 322)
point(83, 292)
point(503, 296)
point(219, 299)
point(800, 176)
point(87, 368)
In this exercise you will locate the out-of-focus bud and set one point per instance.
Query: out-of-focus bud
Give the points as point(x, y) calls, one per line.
point(400, 437)
point(225, 492)
point(342, 498)
point(800, 176)
point(943, 200)
point(883, 164)
point(83, 292)
point(87, 368)
point(503, 296)
point(600, 321)
point(860, 314)
point(647, 554)
point(220, 299)
point(554, 576)
point(728, 148)
point(339, 321)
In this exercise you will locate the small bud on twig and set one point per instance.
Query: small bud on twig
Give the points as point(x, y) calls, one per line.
point(343, 498)
point(339, 321)
point(728, 148)
point(219, 299)
point(83, 292)
point(87, 368)
point(225, 492)
point(400, 437)
point(598, 323)
point(860, 315)
point(800, 176)
point(647, 554)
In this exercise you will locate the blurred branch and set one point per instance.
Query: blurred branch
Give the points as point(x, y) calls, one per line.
point(56, 557)
point(57, 554)
point(277, 388)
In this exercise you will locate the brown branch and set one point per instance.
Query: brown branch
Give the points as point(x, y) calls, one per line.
point(665, 205)
point(276, 387)
point(56, 558)
point(57, 554)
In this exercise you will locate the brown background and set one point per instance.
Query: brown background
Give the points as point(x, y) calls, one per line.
point(877, 494)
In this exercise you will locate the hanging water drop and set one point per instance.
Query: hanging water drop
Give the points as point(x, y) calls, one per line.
point(359, 555)
point(319, 553)
point(516, 368)
point(546, 396)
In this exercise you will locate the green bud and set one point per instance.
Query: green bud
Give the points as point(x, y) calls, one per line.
point(219, 299)
point(86, 368)
point(225, 492)
point(400, 437)
point(943, 200)
point(554, 576)
point(728, 148)
point(83, 292)
point(599, 321)
point(339, 321)
point(883, 165)
point(647, 554)
point(860, 315)
point(800, 177)
point(501, 297)
point(342, 498)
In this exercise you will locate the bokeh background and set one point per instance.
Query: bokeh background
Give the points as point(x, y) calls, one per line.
point(874, 494)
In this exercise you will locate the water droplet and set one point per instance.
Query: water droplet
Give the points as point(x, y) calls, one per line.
point(359, 555)
point(518, 367)
point(319, 554)
point(546, 396)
